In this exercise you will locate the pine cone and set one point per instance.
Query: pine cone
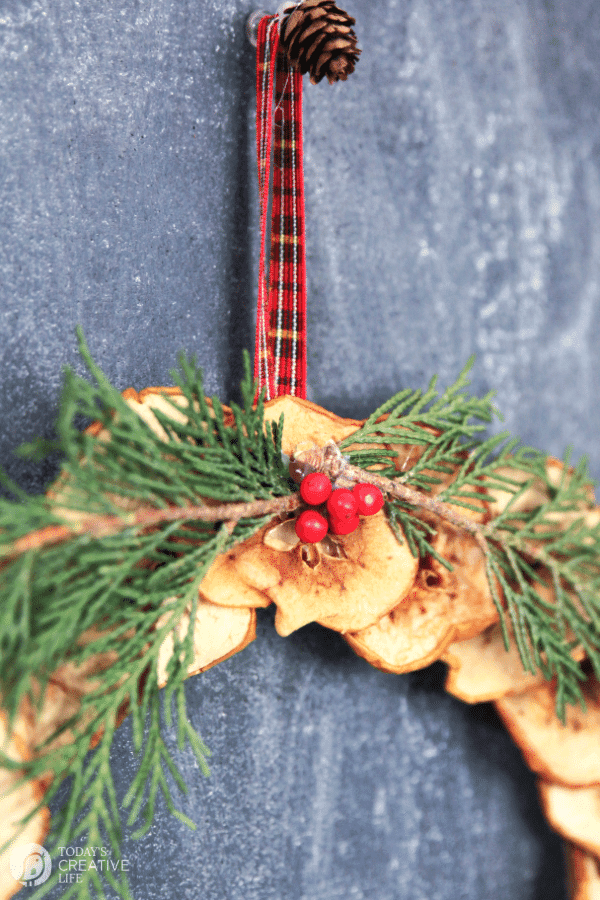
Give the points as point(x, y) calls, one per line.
point(317, 37)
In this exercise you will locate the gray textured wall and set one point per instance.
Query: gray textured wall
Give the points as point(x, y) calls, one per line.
point(453, 199)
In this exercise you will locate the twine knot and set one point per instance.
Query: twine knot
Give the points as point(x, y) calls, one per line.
point(335, 463)
point(328, 459)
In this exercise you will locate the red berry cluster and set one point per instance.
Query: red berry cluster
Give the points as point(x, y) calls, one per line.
point(343, 507)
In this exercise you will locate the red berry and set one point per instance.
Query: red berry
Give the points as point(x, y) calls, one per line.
point(315, 488)
point(342, 504)
point(344, 526)
point(311, 527)
point(369, 499)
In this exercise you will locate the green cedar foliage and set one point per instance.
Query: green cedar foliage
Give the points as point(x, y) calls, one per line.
point(134, 586)
point(555, 545)
point(124, 584)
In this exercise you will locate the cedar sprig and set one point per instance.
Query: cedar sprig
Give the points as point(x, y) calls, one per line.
point(91, 811)
point(134, 584)
point(556, 545)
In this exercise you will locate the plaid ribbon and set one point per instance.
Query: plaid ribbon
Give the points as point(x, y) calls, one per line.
point(280, 355)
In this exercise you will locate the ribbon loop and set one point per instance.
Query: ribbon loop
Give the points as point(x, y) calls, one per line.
point(280, 352)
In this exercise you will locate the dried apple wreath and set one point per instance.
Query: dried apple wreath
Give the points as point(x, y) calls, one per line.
point(174, 519)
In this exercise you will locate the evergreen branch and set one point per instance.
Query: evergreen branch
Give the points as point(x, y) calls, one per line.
point(91, 810)
point(99, 526)
point(552, 542)
point(120, 545)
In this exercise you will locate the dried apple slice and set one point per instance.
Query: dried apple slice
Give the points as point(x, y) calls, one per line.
point(47, 729)
point(345, 593)
point(142, 403)
point(472, 608)
point(410, 636)
point(574, 813)
point(224, 586)
point(529, 499)
point(305, 423)
point(16, 802)
point(442, 606)
point(219, 632)
point(536, 494)
point(565, 754)
point(481, 669)
point(583, 874)
point(63, 696)
point(162, 399)
point(253, 575)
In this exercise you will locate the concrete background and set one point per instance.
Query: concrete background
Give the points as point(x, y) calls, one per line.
point(453, 200)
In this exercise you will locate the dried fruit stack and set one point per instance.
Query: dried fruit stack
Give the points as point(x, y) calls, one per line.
point(397, 613)
point(566, 758)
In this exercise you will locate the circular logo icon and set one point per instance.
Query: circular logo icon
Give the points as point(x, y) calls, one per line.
point(30, 864)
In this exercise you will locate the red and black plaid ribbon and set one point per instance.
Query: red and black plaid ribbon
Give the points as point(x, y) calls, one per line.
point(280, 355)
